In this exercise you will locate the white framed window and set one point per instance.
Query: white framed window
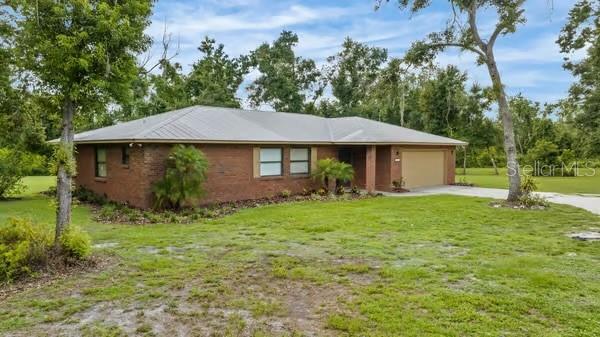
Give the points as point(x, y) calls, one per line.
point(299, 160)
point(271, 162)
point(100, 162)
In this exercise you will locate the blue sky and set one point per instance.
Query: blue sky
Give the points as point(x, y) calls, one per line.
point(529, 60)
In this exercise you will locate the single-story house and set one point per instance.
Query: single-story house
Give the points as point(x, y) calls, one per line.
point(256, 154)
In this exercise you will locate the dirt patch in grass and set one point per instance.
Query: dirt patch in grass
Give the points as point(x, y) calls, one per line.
point(248, 302)
point(59, 272)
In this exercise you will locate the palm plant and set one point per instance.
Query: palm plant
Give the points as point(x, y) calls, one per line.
point(329, 171)
point(183, 180)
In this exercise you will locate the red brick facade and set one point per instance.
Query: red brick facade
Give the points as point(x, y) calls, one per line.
point(231, 174)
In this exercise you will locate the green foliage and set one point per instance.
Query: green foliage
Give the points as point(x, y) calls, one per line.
point(215, 78)
point(329, 171)
point(11, 172)
point(582, 33)
point(168, 90)
point(441, 101)
point(52, 40)
point(543, 153)
point(528, 199)
point(353, 72)
point(76, 243)
point(285, 78)
point(286, 193)
point(528, 185)
point(184, 177)
point(63, 156)
point(24, 248)
point(85, 195)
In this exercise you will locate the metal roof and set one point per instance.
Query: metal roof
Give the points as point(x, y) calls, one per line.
point(203, 124)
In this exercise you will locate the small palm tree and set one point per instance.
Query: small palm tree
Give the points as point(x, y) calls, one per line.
point(329, 171)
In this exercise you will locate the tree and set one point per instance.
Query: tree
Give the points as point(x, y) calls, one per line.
point(286, 81)
point(582, 31)
point(84, 52)
point(462, 31)
point(215, 79)
point(393, 97)
point(352, 73)
point(441, 101)
point(531, 123)
point(168, 89)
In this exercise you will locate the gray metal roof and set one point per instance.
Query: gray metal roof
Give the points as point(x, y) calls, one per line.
point(202, 124)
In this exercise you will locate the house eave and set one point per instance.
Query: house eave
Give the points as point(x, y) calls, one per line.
point(307, 142)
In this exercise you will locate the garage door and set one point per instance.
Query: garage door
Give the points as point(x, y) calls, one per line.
point(421, 169)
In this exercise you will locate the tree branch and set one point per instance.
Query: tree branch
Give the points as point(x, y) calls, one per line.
point(459, 45)
point(166, 45)
point(499, 28)
point(473, 25)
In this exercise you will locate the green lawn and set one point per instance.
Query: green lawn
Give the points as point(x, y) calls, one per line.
point(485, 177)
point(422, 266)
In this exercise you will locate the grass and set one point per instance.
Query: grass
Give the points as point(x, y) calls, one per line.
point(423, 266)
point(589, 183)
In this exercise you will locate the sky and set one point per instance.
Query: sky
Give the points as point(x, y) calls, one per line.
point(530, 62)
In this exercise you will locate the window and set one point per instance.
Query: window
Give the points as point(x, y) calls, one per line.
point(100, 162)
point(299, 160)
point(125, 155)
point(271, 160)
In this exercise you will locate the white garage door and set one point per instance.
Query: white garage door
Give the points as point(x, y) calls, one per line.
point(421, 169)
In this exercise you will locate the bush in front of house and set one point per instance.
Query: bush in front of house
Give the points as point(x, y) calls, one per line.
point(329, 171)
point(183, 180)
point(26, 248)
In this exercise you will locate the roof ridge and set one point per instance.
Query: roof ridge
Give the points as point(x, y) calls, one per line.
point(177, 116)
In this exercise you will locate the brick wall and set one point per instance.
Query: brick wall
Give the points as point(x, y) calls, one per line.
point(124, 183)
point(230, 175)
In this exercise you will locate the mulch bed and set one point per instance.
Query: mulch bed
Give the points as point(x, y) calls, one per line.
point(126, 215)
point(516, 205)
point(55, 272)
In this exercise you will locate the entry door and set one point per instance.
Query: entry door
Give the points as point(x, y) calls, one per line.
point(345, 156)
point(421, 169)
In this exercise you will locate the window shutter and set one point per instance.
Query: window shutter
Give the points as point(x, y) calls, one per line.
point(256, 162)
point(313, 158)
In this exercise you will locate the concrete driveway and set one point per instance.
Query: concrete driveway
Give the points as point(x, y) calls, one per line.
point(589, 203)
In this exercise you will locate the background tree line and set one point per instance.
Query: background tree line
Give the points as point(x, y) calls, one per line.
point(359, 80)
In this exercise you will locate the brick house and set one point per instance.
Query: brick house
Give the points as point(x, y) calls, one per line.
point(256, 154)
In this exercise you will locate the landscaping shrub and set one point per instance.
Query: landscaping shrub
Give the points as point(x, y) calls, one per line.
point(24, 247)
point(528, 199)
point(76, 243)
point(329, 171)
point(183, 180)
point(11, 172)
point(286, 194)
point(85, 195)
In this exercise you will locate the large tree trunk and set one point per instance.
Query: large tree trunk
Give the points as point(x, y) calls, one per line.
point(63, 179)
point(514, 179)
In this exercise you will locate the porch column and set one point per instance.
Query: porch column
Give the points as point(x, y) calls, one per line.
point(370, 159)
